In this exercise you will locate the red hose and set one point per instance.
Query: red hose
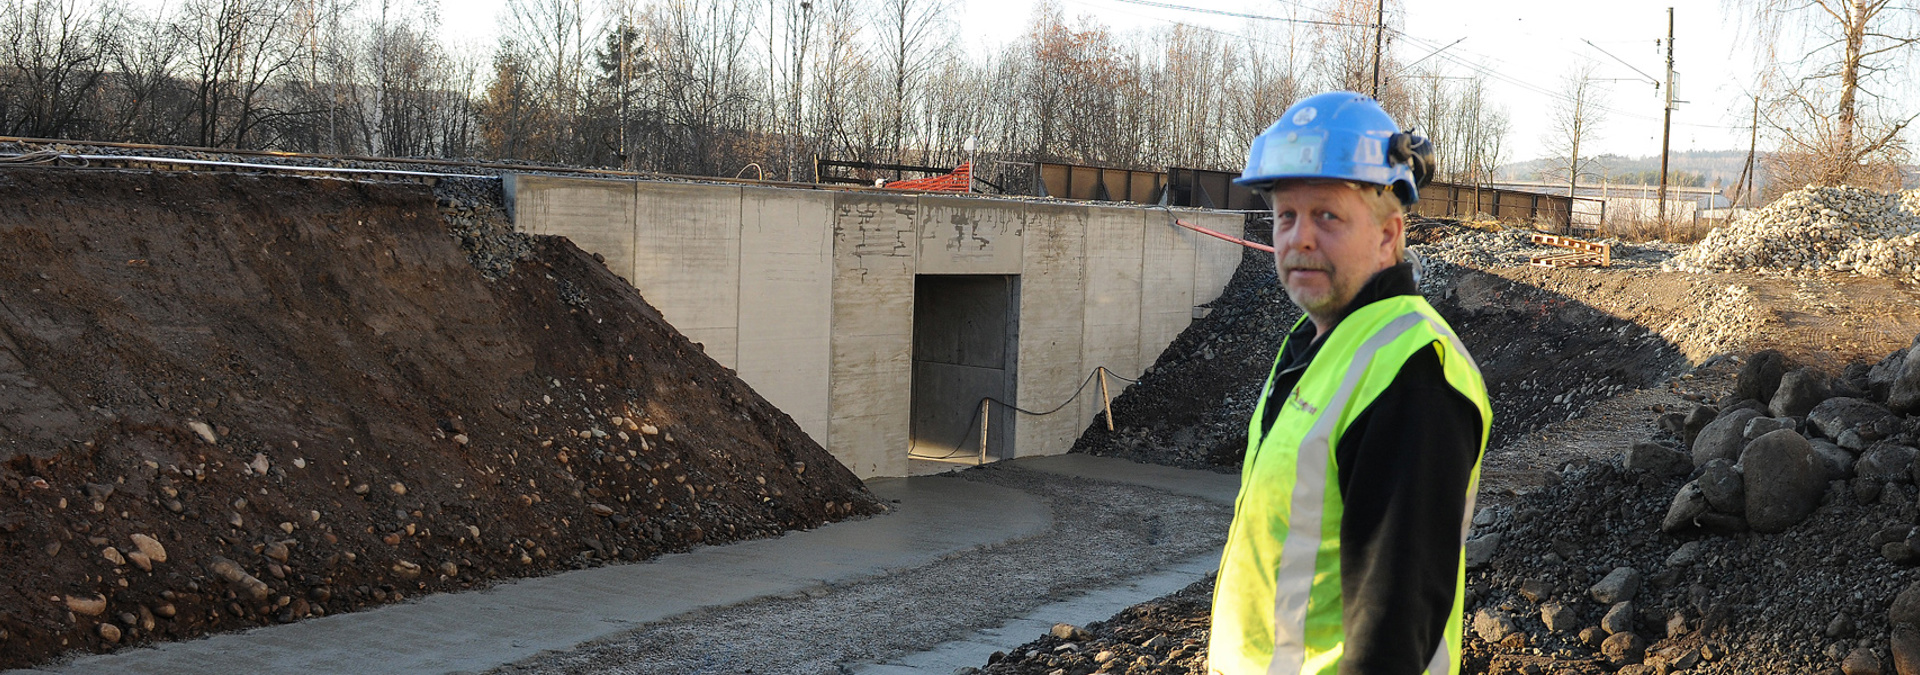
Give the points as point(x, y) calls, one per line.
point(1249, 244)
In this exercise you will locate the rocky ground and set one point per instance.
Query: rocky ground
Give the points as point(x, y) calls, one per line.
point(230, 400)
point(1819, 229)
point(1601, 545)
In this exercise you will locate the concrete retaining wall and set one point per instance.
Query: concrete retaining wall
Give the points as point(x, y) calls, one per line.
point(809, 294)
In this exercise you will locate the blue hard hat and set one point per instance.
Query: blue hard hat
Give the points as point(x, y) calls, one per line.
point(1340, 135)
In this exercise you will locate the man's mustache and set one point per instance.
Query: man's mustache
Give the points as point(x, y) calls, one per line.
point(1301, 261)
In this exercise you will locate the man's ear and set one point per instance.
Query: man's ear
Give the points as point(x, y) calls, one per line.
point(1394, 229)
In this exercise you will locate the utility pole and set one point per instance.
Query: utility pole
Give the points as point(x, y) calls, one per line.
point(1379, 36)
point(1753, 144)
point(1666, 130)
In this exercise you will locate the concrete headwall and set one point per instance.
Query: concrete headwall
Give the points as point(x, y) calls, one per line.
point(809, 294)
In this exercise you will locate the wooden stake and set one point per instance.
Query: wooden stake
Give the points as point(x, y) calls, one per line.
point(984, 410)
point(1104, 399)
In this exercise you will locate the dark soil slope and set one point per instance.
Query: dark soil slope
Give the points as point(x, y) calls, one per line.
point(231, 400)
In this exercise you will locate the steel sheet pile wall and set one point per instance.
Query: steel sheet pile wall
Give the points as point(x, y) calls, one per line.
point(809, 293)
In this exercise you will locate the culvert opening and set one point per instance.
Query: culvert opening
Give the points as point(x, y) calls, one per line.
point(965, 347)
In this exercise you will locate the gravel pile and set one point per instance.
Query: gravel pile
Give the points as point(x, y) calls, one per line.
point(1461, 245)
point(1834, 229)
point(1772, 533)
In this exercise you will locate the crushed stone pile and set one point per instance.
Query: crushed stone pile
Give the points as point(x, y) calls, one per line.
point(1818, 229)
point(1165, 636)
point(1474, 247)
point(230, 400)
point(1191, 407)
point(1774, 532)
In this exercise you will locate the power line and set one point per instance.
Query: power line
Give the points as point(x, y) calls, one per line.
point(1257, 17)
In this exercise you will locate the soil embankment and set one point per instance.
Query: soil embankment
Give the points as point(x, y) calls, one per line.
point(230, 400)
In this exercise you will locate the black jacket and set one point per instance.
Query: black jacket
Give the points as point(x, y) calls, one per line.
point(1404, 463)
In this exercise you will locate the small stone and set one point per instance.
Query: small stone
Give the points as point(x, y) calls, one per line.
point(93, 605)
point(235, 520)
point(1493, 625)
point(1760, 376)
point(449, 569)
point(1619, 618)
point(1687, 554)
point(204, 431)
point(1860, 661)
point(398, 488)
point(1841, 627)
point(238, 577)
point(165, 610)
point(149, 546)
point(1722, 483)
point(1558, 617)
point(1592, 636)
point(406, 569)
point(649, 430)
point(52, 548)
point(362, 489)
point(140, 560)
point(109, 632)
point(113, 556)
point(1067, 631)
point(259, 465)
point(1624, 648)
point(277, 551)
point(1480, 550)
point(1723, 437)
point(1536, 590)
point(1689, 505)
point(1618, 586)
point(601, 510)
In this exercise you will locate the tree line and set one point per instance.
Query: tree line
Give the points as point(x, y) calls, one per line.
point(710, 87)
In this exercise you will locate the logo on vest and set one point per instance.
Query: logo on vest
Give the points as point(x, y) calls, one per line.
point(1294, 399)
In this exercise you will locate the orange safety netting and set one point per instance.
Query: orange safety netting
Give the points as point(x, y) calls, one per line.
point(953, 182)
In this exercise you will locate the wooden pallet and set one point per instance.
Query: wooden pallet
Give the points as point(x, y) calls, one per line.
point(1582, 253)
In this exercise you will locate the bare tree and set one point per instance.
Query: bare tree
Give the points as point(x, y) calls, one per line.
point(59, 52)
point(1836, 125)
point(1576, 117)
point(913, 37)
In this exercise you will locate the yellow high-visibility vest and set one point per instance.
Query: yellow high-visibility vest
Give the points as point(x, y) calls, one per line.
point(1277, 599)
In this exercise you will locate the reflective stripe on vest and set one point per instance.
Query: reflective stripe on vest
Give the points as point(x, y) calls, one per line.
point(1287, 499)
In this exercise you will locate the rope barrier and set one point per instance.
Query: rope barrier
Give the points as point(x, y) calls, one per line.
point(985, 400)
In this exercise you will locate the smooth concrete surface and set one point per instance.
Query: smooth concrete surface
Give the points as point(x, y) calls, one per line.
point(1100, 605)
point(756, 275)
point(874, 246)
point(479, 630)
point(786, 304)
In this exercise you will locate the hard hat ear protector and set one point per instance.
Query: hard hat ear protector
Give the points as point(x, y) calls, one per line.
point(1416, 152)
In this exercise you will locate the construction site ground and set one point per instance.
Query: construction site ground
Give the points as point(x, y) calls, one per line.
point(279, 414)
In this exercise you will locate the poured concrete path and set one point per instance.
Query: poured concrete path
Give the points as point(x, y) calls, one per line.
point(463, 632)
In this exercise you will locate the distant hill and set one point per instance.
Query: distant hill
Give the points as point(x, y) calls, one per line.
point(1705, 168)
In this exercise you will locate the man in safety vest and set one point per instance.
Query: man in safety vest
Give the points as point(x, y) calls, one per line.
point(1345, 554)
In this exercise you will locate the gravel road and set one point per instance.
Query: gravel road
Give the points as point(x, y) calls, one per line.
point(1102, 534)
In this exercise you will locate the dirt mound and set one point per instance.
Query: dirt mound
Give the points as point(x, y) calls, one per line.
point(232, 400)
point(1837, 229)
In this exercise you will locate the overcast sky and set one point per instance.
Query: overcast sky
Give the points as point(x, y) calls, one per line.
point(1525, 46)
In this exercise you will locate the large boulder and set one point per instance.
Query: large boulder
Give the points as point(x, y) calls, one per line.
point(1761, 426)
point(1723, 437)
point(1697, 419)
point(1903, 394)
point(1720, 483)
point(1837, 461)
point(1800, 390)
point(1886, 462)
point(1689, 504)
point(1760, 376)
point(1783, 481)
point(1838, 415)
point(1881, 376)
point(1654, 457)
